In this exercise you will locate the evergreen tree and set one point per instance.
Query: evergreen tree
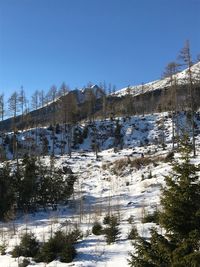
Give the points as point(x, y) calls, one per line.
point(28, 246)
point(7, 192)
point(112, 231)
point(28, 183)
point(180, 218)
point(60, 246)
point(97, 228)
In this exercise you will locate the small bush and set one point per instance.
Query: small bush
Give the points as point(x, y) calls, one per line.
point(133, 234)
point(153, 217)
point(3, 247)
point(24, 263)
point(97, 228)
point(106, 219)
point(134, 163)
point(130, 219)
point(169, 157)
point(112, 231)
point(60, 246)
point(75, 235)
point(68, 253)
point(28, 246)
point(16, 252)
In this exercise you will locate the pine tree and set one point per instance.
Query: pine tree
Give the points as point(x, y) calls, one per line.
point(7, 191)
point(180, 218)
point(28, 183)
point(112, 231)
point(28, 246)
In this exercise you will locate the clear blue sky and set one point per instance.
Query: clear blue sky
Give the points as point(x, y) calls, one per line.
point(46, 42)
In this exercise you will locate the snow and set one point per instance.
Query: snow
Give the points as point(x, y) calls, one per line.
point(101, 188)
point(181, 78)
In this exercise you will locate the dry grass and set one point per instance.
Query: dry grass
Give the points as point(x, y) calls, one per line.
point(120, 165)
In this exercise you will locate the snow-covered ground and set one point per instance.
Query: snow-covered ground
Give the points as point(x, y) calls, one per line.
point(181, 78)
point(110, 183)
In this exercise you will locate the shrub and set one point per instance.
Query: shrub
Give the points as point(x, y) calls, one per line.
point(24, 263)
point(28, 246)
point(3, 247)
point(151, 217)
point(130, 219)
point(133, 233)
point(75, 235)
point(16, 252)
point(106, 219)
point(97, 228)
point(60, 246)
point(68, 253)
point(112, 232)
point(169, 157)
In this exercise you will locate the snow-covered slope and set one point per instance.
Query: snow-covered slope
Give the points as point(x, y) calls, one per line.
point(112, 183)
point(181, 78)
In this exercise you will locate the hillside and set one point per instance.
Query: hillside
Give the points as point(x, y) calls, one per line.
point(125, 181)
point(137, 131)
point(181, 78)
point(92, 102)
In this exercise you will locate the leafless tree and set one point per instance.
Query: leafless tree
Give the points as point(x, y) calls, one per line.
point(2, 107)
point(52, 97)
point(186, 61)
point(170, 72)
point(13, 105)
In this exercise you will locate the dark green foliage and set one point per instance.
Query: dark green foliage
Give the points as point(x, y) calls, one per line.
point(180, 217)
point(75, 235)
point(68, 253)
point(181, 198)
point(97, 228)
point(60, 246)
point(24, 263)
point(133, 234)
point(17, 252)
point(28, 246)
point(169, 157)
point(130, 219)
point(106, 219)
point(112, 231)
point(28, 183)
point(45, 146)
point(58, 130)
point(85, 132)
point(7, 191)
point(3, 247)
point(151, 217)
point(77, 137)
point(32, 184)
point(50, 128)
point(153, 253)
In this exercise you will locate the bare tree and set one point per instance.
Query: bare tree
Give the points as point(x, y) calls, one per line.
point(41, 98)
point(35, 106)
point(13, 103)
point(170, 72)
point(52, 94)
point(71, 117)
point(64, 89)
point(186, 60)
point(90, 102)
point(2, 107)
point(35, 100)
point(22, 100)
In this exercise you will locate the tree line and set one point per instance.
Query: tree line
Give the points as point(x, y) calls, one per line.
point(31, 184)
